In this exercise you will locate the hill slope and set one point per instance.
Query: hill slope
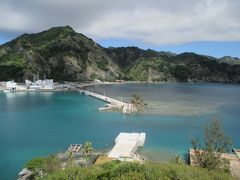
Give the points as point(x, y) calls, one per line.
point(149, 65)
point(64, 55)
point(60, 53)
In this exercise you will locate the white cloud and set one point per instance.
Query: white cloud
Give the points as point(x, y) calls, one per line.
point(152, 22)
point(11, 20)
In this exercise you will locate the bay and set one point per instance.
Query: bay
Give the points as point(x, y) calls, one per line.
point(39, 123)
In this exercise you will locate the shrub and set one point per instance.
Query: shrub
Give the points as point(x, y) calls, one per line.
point(216, 142)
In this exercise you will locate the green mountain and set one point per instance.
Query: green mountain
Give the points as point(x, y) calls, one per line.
point(65, 55)
point(230, 60)
point(59, 53)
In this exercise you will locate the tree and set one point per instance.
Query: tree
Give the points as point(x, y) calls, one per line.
point(87, 148)
point(176, 160)
point(137, 100)
point(52, 163)
point(216, 142)
point(35, 163)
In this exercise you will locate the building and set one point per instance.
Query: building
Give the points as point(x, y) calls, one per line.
point(11, 85)
point(74, 149)
point(97, 81)
point(46, 84)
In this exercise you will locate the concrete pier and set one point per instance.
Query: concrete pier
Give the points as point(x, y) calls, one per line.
point(103, 98)
point(126, 108)
point(126, 145)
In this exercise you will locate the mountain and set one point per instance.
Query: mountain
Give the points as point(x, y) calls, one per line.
point(65, 55)
point(59, 53)
point(230, 60)
point(149, 65)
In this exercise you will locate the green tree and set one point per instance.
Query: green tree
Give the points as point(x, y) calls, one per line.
point(215, 143)
point(176, 160)
point(35, 163)
point(137, 100)
point(44, 165)
point(87, 148)
point(52, 163)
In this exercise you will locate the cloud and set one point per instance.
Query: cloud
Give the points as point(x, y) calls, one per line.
point(148, 21)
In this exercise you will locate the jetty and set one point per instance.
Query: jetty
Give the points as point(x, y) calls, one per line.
point(112, 103)
point(126, 145)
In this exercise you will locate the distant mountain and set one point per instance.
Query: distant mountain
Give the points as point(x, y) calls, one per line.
point(230, 60)
point(65, 55)
point(149, 65)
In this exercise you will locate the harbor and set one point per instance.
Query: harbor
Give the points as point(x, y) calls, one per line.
point(36, 85)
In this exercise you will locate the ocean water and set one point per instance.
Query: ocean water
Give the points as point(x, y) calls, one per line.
point(37, 124)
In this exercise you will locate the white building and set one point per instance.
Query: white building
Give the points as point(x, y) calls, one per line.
point(27, 82)
point(97, 81)
point(11, 85)
point(46, 84)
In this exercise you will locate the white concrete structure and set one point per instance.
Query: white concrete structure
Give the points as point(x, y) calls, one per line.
point(29, 85)
point(97, 81)
point(74, 149)
point(27, 82)
point(126, 108)
point(126, 145)
point(46, 84)
point(11, 85)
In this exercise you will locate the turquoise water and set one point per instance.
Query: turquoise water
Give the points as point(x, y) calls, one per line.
point(36, 124)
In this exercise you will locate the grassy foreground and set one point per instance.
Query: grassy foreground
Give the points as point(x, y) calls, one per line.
point(136, 171)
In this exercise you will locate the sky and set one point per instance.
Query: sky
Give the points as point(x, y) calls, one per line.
point(210, 27)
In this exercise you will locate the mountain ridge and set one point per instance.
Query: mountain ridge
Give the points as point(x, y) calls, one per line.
point(65, 55)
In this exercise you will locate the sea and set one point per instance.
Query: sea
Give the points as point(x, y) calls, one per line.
point(35, 124)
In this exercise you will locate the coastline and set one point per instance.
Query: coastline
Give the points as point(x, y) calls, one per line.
point(76, 86)
point(69, 86)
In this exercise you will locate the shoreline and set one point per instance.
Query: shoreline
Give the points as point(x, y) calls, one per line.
point(71, 87)
point(76, 86)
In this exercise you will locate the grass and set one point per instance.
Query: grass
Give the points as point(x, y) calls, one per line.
point(102, 159)
point(124, 170)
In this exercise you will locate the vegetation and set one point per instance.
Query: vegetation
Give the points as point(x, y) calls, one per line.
point(103, 65)
point(124, 170)
point(49, 168)
point(60, 53)
point(64, 55)
point(215, 143)
point(137, 100)
point(177, 160)
point(87, 148)
point(46, 165)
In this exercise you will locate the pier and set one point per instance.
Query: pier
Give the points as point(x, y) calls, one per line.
point(113, 104)
point(126, 145)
